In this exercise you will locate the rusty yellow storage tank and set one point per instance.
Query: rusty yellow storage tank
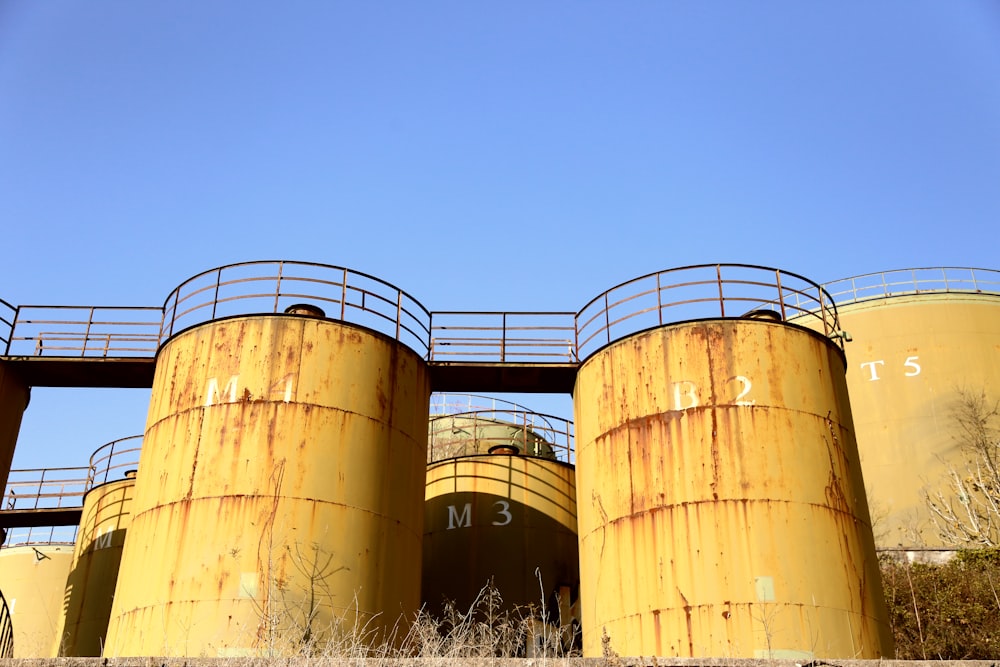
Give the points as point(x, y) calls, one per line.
point(106, 515)
point(33, 578)
point(278, 500)
point(723, 510)
point(922, 340)
point(500, 515)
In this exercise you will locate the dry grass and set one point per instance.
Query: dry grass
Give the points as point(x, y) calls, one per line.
point(482, 634)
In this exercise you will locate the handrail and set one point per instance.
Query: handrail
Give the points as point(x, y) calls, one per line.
point(85, 331)
point(478, 431)
point(45, 488)
point(343, 294)
point(53, 488)
point(6, 630)
point(8, 313)
point(117, 455)
point(920, 280)
point(700, 292)
point(40, 535)
point(445, 403)
point(516, 337)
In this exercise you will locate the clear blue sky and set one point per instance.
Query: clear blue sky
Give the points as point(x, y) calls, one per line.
point(480, 156)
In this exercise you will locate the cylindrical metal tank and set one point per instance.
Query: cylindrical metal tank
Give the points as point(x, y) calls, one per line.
point(33, 579)
point(107, 513)
point(278, 500)
point(500, 514)
point(921, 340)
point(479, 432)
point(725, 510)
point(14, 396)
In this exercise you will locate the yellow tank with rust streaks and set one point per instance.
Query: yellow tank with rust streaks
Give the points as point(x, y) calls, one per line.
point(722, 510)
point(278, 505)
point(910, 361)
point(506, 521)
point(14, 396)
point(33, 579)
point(90, 586)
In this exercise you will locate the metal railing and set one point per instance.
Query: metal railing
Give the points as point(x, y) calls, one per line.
point(685, 293)
point(507, 337)
point(54, 488)
point(8, 314)
point(45, 488)
point(273, 286)
point(6, 630)
point(902, 282)
point(39, 535)
point(479, 431)
point(111, 461)
point(700, 292)
point(445, 403)
point(85, 331)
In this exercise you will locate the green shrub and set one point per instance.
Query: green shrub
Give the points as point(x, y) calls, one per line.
point(945, 612)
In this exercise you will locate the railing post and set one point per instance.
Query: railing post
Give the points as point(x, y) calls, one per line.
point(38, 494)
point(827, 328)
point(524, 432)
point(399, 311)
point(430, 337)
point(111, 457)
point(576, 337)
point(159, 329)
point(173, 317)
point(607, 318)
point(781, 296)
point(722, 298)
point(503, 337)
point(475, 432)
point(13, 326)
point(215, 299)
point(86, 333)
point(659, 300)
point(343, 296)
point(277, 290)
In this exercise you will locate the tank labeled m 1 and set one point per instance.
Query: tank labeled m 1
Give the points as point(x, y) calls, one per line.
point(277, 507)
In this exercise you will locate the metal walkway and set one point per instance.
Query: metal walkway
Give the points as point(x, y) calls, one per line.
point(446, 376)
